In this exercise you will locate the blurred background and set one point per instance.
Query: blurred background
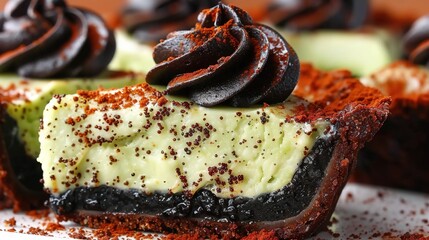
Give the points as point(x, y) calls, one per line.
point(401, 10)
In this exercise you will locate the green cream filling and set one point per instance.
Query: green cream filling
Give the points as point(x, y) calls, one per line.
point(360, 52)
point(230, 151)
point(27, 109)
point(131, 55)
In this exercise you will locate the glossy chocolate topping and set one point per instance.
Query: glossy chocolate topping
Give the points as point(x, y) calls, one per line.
point(416, 42)
point(318, 14)
point(226, 59)
point(46, 39)
point(151, 20)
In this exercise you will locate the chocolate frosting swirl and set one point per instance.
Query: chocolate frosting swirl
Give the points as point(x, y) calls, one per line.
point(48, 39)
point(416, 42)
point(227, 59)
point(318, 14)
point(151, 20)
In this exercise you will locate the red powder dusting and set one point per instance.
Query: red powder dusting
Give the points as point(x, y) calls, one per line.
point(96, 40)
point(11, 222)
point(124, 98)
point(37, 231)
point(51, 227)
point(262, 235)
point(38, 214)
point(183, 237)
point(113, 231)
point(12, 92)
point(77, 233)
point(326, 88)
point(404, 103)
point(345, 162)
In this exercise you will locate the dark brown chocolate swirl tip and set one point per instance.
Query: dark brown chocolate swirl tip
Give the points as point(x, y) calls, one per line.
point(416, 42)
point(151, 20)
point(226, 59)
point(47, 39)
point(318, 14)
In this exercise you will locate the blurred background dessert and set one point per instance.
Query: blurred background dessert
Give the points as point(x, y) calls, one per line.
point(398, 155)
point(45, 50)
point(388, 11)
point(378, 47)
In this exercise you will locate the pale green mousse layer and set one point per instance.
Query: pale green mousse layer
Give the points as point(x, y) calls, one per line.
point(25, 100)
point(135, 138)
point(360, 52)
point(131, 55)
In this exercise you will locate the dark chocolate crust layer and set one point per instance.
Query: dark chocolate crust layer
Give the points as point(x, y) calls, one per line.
point(357, 112)
point(204, 204)
point(20, 175)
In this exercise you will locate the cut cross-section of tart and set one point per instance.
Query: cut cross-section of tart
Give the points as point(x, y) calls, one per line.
point(238, 155)
point(135, 158)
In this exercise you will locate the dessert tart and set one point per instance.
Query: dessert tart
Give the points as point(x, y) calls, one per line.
point(150, 21)
point(221, 150)
point(397, 15)
point(131, 55)
point(400, 150)
point(145, 23)
point(335, 34)
point(54, 49)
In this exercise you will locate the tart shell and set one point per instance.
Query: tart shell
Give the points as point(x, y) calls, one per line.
point(356, 111)
point(398, 155)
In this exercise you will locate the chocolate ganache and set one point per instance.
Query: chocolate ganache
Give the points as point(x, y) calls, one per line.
point(47, 39)
point(416, 42)
point(315, 14)
point(151, 20)
point(226, 59)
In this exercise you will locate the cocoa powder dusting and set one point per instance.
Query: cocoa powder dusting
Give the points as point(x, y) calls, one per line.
point(396, 81)
point(336, 85)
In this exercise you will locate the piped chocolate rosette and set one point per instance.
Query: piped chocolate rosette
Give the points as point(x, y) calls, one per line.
point(47, 39)
point(151, 20)
point(226, 59)
point(141, 159)
point(416, 42)
point(318, 14)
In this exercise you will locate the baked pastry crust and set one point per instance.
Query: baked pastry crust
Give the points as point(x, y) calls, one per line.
point(399, 149)
point(357, 112)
